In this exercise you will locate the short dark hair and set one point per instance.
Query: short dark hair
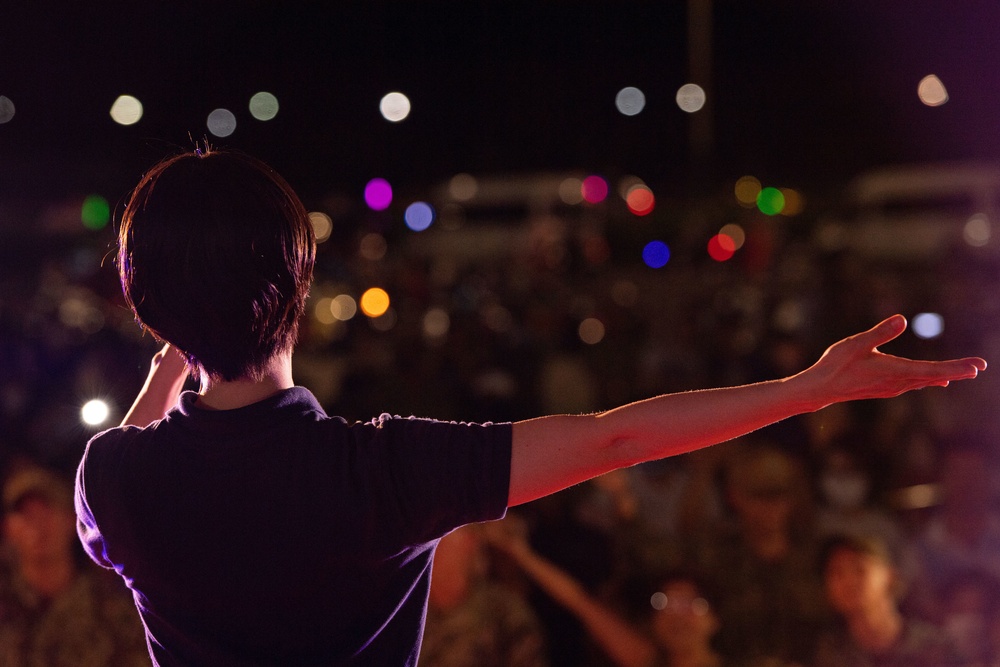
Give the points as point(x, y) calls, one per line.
point(216, 255)
point(865, 545)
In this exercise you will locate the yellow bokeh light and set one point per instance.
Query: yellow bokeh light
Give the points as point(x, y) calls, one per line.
point(570, 191)
point(736, 233)
point(374, 302)
point(322, 311)
point(746, 190)
point(343, 307)
point(126, 110)
point(794, 202)
point(322, 225)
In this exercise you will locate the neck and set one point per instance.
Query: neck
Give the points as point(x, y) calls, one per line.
point(876, 629)
point(49, 577)
point(230, 394)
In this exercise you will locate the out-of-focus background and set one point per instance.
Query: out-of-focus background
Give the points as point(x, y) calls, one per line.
point(529, 207)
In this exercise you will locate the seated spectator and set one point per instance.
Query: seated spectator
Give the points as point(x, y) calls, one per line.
point(863, 589)
point(56, 609)
point(472, 621)
point(970, 612)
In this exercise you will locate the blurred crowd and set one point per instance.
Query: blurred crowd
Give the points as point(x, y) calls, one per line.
point(863, 534)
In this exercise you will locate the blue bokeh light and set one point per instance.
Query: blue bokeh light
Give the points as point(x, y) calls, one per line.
point(656, 254)
point(419, 216)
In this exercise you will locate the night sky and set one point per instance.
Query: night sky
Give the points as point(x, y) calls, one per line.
point(805, 93)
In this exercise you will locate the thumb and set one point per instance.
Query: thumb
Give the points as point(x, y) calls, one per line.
point(882, 333)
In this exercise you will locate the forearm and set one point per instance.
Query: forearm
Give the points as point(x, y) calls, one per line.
point(161, 390)
point(625, 646)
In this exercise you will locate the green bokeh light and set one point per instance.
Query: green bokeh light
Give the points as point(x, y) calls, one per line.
point(770, 201)
point(95, 212)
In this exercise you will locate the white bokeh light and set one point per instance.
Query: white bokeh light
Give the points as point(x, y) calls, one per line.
point(931, 91)
point(630, 101)
point(6, 109)
point(395, 107)
point(977, 230)
point(221, 122)
point(263, 106)
point(928, 325)
point(691, 97)
point(95, 412)
point(126, 110)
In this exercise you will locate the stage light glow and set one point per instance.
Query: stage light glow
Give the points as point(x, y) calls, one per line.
point(378, 194)
point(6, 109)
point(770, 201)
point(418, 216)
point(591, 331)
point(126, 110)
point(594, 189)
point(571, 191)
point(977, 230)
point(691, 97)
point(794, 202)
point(95, 412)
point(931, 91)
point(221, 122)
point(656, 254)
point(736, 233)
point(395, 107)
point(372, 246)
point(374, 302)
point(343, 307)
point(463, 187)
point(746, 190)
point(630, 101)
point(263, 106)
point(927, 325)
point(322, 225)
point(436, 323)
point(640, 200)
point(721, 248)
point(95, 212)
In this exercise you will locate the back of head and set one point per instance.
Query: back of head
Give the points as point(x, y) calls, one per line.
point(216, 254)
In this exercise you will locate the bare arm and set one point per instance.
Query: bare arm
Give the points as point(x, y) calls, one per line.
point(163, 386)
point(552, 453)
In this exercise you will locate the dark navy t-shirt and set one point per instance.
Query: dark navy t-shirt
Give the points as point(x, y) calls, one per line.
point(276, 535)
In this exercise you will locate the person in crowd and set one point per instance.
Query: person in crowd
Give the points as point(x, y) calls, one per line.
point(970, 617)
point(56, 609)
point(863, 589)
point(201, 500)
point(473, 621)
point(678, 632)
point(762, 560)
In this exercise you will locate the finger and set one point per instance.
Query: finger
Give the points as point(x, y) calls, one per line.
point(952, 369)
point(882, 333)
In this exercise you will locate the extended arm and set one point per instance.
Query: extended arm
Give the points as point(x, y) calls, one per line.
point(552, 453)
point(163, 386)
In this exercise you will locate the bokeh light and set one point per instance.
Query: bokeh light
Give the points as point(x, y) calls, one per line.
point(95, 212)
point(591, 331)
point(691, 97)
point(322, 225)
point(343, 307)
point(418, 216)
point(6, 109)
point(463, 187)
point(977, 230)
point(594, 189)
point(374, 302)
point(931, 91)
point(746, 190)
point(770, 201)
point(721, 248)
point(656, 254)
point(378, 194)
point(794, 202)
point(263, 106)
point(640, 200)
point(571, 191)
point(436, 323)
point(927, 325)
point(384, 322)
point(658, 601)
point(126, 110)
point(322, 311)
point(630, 101)
point(395, 107)
point(625, 293)
point(221, 122)
point(373, 246)
point(95, 412)
point(736, 233)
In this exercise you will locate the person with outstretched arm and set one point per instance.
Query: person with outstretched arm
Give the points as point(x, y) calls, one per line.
point(253, 528)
